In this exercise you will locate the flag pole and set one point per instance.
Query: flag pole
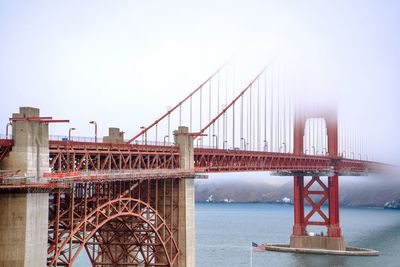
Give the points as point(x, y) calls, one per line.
point(251, 255)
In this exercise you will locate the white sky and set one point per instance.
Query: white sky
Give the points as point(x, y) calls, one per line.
point(121, 63)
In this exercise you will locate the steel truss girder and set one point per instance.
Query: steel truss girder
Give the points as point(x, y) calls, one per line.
point(116, 223)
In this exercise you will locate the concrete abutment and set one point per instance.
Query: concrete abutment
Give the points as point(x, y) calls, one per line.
point(184, 140)
point(24, 216)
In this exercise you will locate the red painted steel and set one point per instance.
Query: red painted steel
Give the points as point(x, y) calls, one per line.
point(68, 156)
point(39, 119)
point(116, 223)
point(328, 192)
point(5, 147)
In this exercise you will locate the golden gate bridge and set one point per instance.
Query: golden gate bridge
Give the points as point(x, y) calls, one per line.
point(130, 202)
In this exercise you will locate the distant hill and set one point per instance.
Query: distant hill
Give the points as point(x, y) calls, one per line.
point(371, 194)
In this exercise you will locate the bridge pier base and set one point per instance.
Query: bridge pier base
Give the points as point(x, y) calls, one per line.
point(318, 242)
point(24, 216)
point(23, 229)
point(187, 248)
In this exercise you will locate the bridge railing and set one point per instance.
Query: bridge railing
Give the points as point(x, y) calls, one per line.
point(100, 140)
point(75, 138)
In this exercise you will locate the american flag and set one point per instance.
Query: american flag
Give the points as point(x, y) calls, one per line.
point(258, 248)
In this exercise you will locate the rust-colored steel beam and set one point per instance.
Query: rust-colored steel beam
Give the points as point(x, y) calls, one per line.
point(40, 119)
point(66, 156)
point(115, 223)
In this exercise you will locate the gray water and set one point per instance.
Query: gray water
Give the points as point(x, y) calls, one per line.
point(224, 233)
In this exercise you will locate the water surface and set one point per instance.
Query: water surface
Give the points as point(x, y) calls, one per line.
point(225, 231)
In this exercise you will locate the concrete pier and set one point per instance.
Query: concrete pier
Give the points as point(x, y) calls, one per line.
point(318, 242)
point(115, 136)
point(186, 199)
point(24, 216)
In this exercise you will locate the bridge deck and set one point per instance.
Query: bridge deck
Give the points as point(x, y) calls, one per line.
point(67, 156)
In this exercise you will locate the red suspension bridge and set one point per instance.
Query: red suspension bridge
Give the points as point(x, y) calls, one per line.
point(130, 202)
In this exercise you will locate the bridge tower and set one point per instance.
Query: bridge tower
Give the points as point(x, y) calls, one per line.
point(24, 215)
point(327, 193)
point(184, 140)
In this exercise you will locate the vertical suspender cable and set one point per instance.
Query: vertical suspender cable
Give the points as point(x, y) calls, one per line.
point(201, 107)
point(265, 111)
point(241, 122)
point(233, 126)
point(191, 114)
point(218, 110)
point(169, 126)
point(251, 118)
point(209, 113)
point(180, 115)
point(258, 114)
point(278, 112)
point(271, 143)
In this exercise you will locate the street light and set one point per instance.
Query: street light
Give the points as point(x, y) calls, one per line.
point(69, 133)
point(324, 151)
point(284, 146)
point(352, 155)
point(313, 147)
point(8, 125)
point(244, 143)
point(265, 145)
point(216, 140)
point(95, 130)
point(165, 137)
point(199, 140)
point(144, 135)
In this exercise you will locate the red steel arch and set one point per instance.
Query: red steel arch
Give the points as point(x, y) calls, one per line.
point(116, 222)
point(122, 207)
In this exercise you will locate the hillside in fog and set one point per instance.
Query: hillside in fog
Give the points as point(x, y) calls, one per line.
point(361, 191)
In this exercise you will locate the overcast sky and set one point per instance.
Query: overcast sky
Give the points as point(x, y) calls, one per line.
point(122, 63)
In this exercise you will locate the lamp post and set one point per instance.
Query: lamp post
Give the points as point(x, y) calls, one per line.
point(324, 151)
point(265, 145)
point(165, 137)
point(216, 140)
point(359, 155)
point(69, 133)
point(144, 135)
point(352, 155)
point(95, 130)
point(243, 143)
point(284, 147)
point(313, 147)
point(8, 125)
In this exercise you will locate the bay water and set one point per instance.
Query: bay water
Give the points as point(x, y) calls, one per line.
point(224, 233)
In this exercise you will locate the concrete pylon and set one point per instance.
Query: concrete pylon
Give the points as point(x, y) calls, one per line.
point(24, 216)
point(186, 199)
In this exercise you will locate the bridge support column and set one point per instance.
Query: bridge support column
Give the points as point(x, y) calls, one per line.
point(186, 227)
point(24, 216)
point(299, 228)
point(334, 228)
point(300, 238)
